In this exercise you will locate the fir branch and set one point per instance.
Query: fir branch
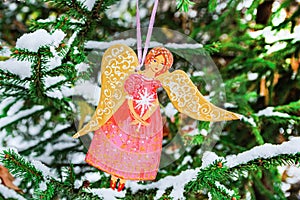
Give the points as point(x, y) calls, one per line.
point(46, 141)
point(183, 5)
point(37, 86)
point(213, 48)
point(254, 6)
point(67, 165)
point(57, 85)
point(96, 9)
point(46, 194)
point(293, 107)
point(66, 68)
point(262, 188)
point(35, 25)
point(63, 23)
point(80, 8)
point(286, 22)
point(207, 178)
point(276, 120)
point(17, 88)
point(104, 4)
point(70, 175)
point(24, 54)
point(267, 163)
point(220, 171)
point(69, 191)
point(20, 167)
point(75, 8)
point(212, 5)
point(257, 133)
point(13, 80)
point(23, 114)
point(6, 75)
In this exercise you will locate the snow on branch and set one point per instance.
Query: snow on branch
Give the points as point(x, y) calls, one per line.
point(14, 66)
point(36, 168)
point(39, 38)
point(106, 45)
point(264, 151)
point(178, 182)
point(88, 3)
point(132, 42)
point(22, 114)
point(269, 111)
point(108, 193)
point(9, 193)
point(32, 42)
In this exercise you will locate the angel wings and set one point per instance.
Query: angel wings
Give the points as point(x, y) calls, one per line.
point(120, 61)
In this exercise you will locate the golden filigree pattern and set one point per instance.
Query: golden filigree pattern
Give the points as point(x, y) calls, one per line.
point(118, 62)
point(188, 100)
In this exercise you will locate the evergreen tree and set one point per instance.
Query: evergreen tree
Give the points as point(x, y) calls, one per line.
point(255, 45)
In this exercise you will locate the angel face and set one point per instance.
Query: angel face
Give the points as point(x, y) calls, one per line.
point(159, 60)
point(157, 64)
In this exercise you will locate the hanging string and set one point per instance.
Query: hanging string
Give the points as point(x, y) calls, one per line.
point(142, 55)
point(138, 33)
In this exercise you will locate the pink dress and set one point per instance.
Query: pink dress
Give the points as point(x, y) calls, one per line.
point(128, 151)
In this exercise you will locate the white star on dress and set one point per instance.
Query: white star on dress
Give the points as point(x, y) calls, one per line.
point(145, 101)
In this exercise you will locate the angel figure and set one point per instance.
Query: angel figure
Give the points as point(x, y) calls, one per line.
point(127, 123)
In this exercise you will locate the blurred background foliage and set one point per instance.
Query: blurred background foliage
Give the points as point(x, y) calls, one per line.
point(254, 43)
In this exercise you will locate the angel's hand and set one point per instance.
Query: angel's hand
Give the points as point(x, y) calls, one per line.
point(151, 110)
point(137, 118)
point(135, 122)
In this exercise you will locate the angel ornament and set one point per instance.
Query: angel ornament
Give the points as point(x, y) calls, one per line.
point(127, 123)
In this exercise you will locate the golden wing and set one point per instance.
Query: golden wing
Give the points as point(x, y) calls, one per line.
point(118, 62)
point(188, 100)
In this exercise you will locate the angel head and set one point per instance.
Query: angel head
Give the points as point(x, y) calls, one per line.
point(159, 59)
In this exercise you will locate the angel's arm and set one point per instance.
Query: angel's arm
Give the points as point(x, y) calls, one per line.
point(151, 110)
point(135, 115)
